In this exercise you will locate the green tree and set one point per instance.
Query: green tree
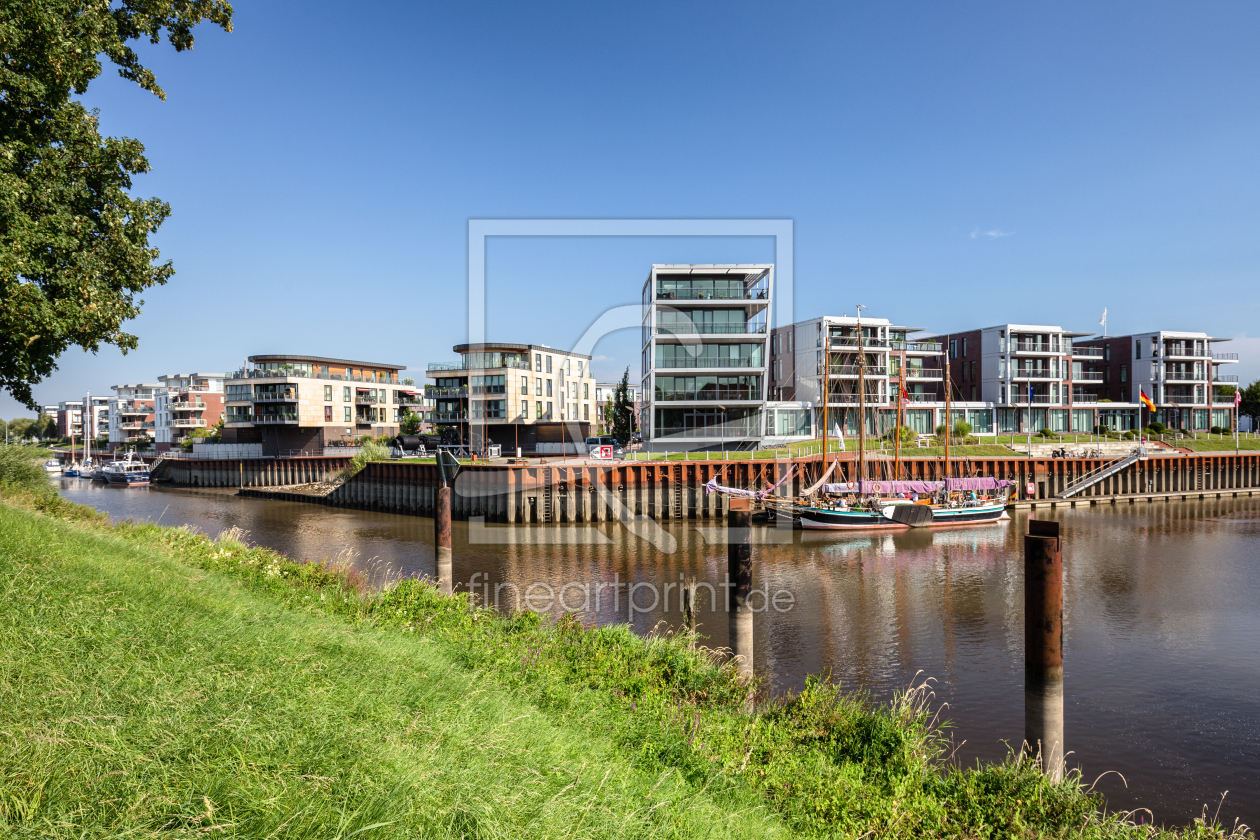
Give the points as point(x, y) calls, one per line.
point(1250, 405)
point(74, 244)
point(410, 424)
point(622, 407)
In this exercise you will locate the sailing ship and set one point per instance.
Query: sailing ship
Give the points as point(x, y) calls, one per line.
point(872, 504)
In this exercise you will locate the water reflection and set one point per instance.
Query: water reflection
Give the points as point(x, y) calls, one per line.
point(1161, 633)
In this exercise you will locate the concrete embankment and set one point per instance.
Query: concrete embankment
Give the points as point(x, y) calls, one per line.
point(582, 492)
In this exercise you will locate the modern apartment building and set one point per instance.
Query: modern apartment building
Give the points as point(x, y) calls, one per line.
point(705, 355)
point(1035, 376)
point(186, 402)
point(292, 403)
point(893, 359)
point(69, 416)
point(531, 396)
point(1179, 371)
point(131, 420)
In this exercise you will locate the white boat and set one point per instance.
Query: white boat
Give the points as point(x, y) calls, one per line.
point(52, 466)
point(129, 472)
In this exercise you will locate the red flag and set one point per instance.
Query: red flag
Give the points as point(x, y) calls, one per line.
point(1146, 401)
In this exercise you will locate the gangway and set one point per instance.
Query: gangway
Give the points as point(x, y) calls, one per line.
point(1106, 471)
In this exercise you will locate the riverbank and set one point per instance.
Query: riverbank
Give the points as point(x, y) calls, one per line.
point(211, 683)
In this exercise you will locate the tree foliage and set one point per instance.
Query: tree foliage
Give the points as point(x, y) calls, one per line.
point(410, 424)
point(621, 423)
point(1250, 404)
point(74, 244)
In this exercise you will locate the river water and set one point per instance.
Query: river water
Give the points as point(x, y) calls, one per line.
point(1162, 615)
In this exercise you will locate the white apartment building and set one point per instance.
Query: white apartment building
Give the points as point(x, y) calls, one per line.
point(1179, 370)
point(186, 402)
point(531, 396)
point(892, 360)
point(705, 351)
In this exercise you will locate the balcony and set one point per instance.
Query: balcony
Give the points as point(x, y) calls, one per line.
point(871, 399)
point(844, 342)
point(1182, 376)
point(433, 392)
point(923, 373)
point(187, 422)
point(274, 419)
point(709, 329)
point(923, 398)
point(1184, 400)
point(286, 396)
point(917, 346)
point(340, 377)
point(1082, 398)
point(1037, 399)
point(186, 405)
point(853, 371)
point(1087, 376)
point(1225, 357)
point(450, 416)
point(148, 424)
point(1087, 352)
point(1228, 377)
point(688, 362)
point(1033, 347)
point(1034, 374)
point(697, 294)
point(708, 396)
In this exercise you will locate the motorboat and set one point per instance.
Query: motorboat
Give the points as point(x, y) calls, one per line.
point(52, 466)
point(130, 472)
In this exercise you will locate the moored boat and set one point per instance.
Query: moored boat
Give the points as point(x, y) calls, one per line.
point(52, 466)
point(129, 472)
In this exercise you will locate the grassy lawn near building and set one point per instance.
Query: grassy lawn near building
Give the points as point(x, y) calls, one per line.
point(156, 682)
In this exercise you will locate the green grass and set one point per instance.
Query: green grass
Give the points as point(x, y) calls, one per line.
point(140, 697)
point(156, 682)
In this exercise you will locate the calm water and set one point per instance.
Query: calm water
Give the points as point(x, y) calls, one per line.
point(1162, 653)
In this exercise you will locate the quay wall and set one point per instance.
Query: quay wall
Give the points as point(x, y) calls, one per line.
point(580, 492)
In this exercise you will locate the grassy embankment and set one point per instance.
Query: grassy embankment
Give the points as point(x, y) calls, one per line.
point(156, 682)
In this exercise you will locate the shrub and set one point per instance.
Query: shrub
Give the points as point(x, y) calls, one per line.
point(1157, 428)
point(20, 467)
point(1220, 430)
point(1046, 433)
point(907, 434)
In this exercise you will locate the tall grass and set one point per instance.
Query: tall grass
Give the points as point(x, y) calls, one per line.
point(154, 680)
point(21, 467)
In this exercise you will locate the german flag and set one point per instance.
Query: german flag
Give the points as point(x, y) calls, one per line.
point(1146, 401)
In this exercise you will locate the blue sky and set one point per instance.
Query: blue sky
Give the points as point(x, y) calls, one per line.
point(949, 166)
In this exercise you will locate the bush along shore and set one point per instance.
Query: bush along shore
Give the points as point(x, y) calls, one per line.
point(156, 681)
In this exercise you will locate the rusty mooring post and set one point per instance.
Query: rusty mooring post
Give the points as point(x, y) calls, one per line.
point(1043, 645)
point(739, 585)
point(689, 608)
point(442, 522)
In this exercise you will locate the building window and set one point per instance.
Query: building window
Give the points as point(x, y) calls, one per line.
point(1137, 349)
point(525, 385)
point(549, 387)
point(548, 364)
point(586, 391)
point(1107, 353)
point(327, 393)
point(328, 414)
point(538, 410)
point(1124, 373)
point(538, 362)
point(964, 347)
point(538, 386)
point(345, 394)
point(549, 410)
point(525, 410)
point(586, 411)
point(953, 348)
point(348, 417)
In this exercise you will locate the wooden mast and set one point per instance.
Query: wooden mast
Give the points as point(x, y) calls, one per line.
point(861, 403)
point(826, 384)
point(947, 417)
point(897, 427)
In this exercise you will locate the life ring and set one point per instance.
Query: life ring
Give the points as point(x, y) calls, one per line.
point(876, 487)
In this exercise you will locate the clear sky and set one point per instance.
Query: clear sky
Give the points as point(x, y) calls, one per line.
point(947, 165)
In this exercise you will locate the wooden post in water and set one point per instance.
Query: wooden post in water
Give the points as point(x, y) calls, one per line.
point(442, 539)
point(739, 584)
point(1043, 645)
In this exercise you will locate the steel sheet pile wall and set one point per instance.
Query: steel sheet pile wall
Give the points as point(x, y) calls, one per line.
point(674, 490)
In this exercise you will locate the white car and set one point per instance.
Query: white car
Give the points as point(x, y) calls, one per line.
point(604, 448)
